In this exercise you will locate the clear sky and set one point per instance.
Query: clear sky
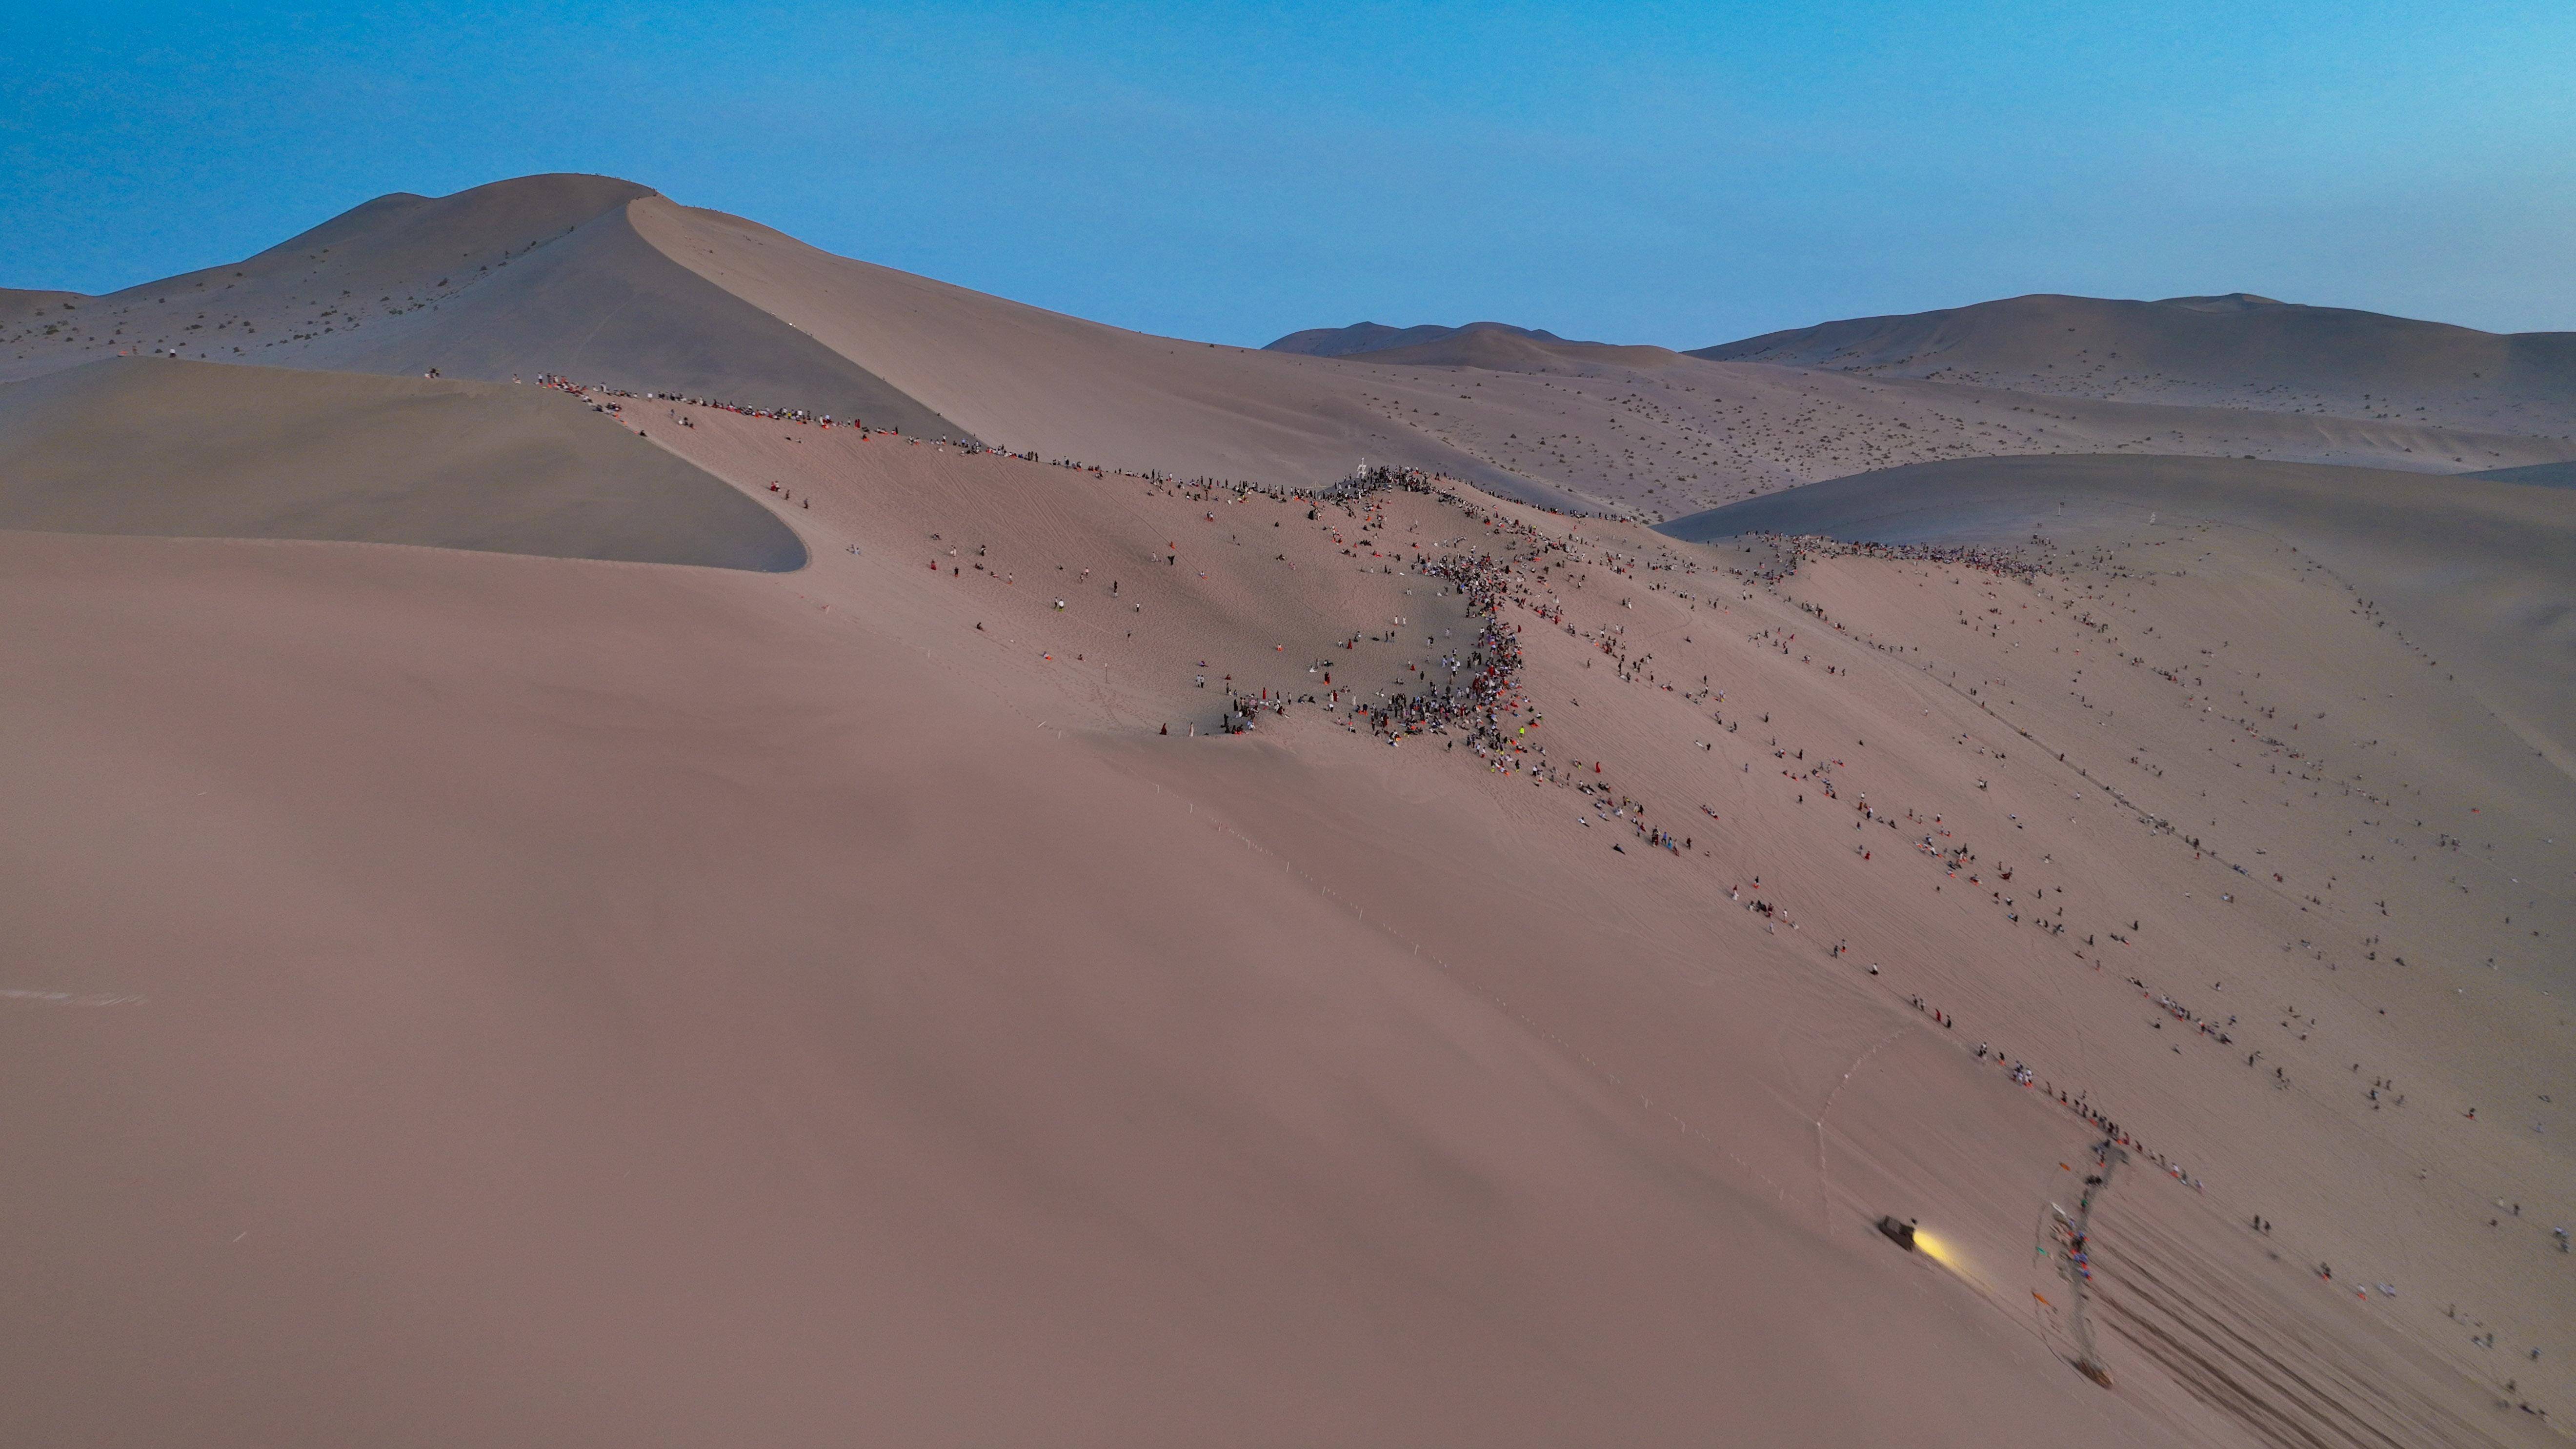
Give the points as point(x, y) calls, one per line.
point(1680, 174)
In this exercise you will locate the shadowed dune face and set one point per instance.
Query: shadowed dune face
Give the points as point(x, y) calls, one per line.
point(2479, 568)
point(603, 305)
point(388, 257)
point(514, 279)
point(156, 446)
point(405, 241)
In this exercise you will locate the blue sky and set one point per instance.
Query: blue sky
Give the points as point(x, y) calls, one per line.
point(1681, 174)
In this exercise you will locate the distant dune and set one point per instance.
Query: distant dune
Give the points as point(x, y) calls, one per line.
point(1493, 346)
point(1362, 337)
point(610, 282)
point(2240, 350)
point(2484, 563)
point(1499, 351)
point(191, 449)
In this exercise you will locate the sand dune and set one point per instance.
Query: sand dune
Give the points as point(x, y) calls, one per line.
point(1027, 378)
point(2480, 570)
point(608, 282)
point(2276, 626)
point(386, 258)
point(1646, 432)
point(1378, 337)
point(2237, 350)
point(629, 1054)
point(465, 996)
point(196, 450)
point(36, 310)
point(1298, 1087)
point(2545, 475)
point(540, 274)
point(1497, 351)
point(639, 1013)
point(403, 240)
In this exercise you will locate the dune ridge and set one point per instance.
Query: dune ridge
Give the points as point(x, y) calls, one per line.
point(2238, 349)
point(608, 282)
point(537, 274)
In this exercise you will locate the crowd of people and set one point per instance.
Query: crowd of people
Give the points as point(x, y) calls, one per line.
point(1484, 683)
point(592, 392)
point(1791, 550)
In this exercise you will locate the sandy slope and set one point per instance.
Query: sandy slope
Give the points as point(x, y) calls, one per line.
point(589, 999)
point(570, 1005)
point(476, 998)
point(1654, 441)
point(160, 446)
point(1027, 378)
point(2479, 570)
point(385, 258)
point(2236, 350)
point(1635, 429)
point(1940, 713)
point(33, 311)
